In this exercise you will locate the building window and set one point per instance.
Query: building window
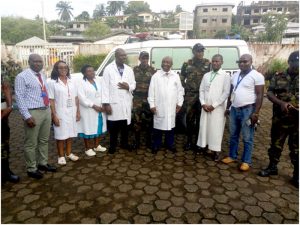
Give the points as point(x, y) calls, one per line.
point(205, 10)
point(256, 10)
point(248, 11)
point(204, 20)
point(246, 21)
point(265, 10)
point(214, 9)
point(279, 9)
point(78, 25)
point(214, 20)
point(255, 20)
point(225, 9)
point(224, 20)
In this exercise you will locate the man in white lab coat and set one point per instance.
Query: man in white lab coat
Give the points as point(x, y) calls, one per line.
point(118, 85)
point(165, 98)
point(214, 91)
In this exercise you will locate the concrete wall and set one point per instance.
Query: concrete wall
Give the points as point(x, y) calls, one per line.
point(263, 53)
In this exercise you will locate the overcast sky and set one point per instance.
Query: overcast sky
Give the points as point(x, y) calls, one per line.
point(31, 8)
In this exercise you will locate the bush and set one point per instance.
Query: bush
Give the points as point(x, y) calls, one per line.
point(93, 60)
point(276, 65)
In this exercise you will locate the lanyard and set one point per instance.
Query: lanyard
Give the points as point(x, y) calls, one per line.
point(212, 76)
point(240, 78)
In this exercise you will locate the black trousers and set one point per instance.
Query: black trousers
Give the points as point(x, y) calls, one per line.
point(157, 138)
point(114, 128)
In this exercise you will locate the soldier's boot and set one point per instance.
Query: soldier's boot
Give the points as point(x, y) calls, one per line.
point(137, 141)
point(270, 170)
point(7, 174)
point(295, 179)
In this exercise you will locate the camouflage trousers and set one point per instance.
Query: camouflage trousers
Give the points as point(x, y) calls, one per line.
point(192, 107)
point(142, 121)
point(283, 127)
point(5, 134)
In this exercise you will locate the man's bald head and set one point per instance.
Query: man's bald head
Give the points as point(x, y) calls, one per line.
point(120, 56)
point(245, 62)
point(35, 62)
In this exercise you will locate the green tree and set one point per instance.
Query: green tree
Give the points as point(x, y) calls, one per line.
point(112, 22)
point(64, 11)
point(114, 7)
point(134, 22)
point(242, 31)
point(84, 16)
point(97, 30)
point(17, 29)
point(137, 7)
point(220, 34)
point(275, 25)
point(178, 9)
point(99, 11)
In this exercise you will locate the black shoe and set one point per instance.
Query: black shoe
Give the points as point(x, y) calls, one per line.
point(172, 149)
point(36, 174)
point(295, 182)
point(216, 156)
point(188, 146)
point(127, 147)
point(270, 170)
point(154, 150)
point(47, 168)
point(111, 150)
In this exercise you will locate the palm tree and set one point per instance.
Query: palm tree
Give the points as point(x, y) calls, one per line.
point(114, 7)
point(99, 11)
point(64, 9)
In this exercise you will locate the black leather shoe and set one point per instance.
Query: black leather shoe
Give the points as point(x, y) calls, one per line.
point(111, 150)
point(154, 150)
point(35, 174)
point(216, 156)
point(268, 171)
point(188, 146)
point(295, 182)
point(47, 168)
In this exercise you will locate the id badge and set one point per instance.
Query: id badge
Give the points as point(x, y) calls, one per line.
point(232, 97)
point(44, 94)
point(69, 102)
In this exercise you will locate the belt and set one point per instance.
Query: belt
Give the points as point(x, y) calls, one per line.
point(245, 106)
point(40, 108)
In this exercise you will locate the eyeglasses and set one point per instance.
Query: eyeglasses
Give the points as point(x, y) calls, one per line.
point(63, 68)
point(242, 61)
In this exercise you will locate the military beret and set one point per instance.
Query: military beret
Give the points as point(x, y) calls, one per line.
point(198, 47)
point(294, 56)
point(143, 54)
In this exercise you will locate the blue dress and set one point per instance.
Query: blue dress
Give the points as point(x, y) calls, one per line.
point(100, 124)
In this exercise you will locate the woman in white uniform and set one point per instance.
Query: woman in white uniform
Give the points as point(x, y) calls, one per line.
point(64, 110)
point(93, 119)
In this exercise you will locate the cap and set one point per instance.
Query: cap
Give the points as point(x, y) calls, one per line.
point(144, 53)
point(198, 48)
point(294, 57)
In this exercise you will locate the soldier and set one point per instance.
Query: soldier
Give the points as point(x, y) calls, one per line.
point(141, 115)
point(192, 73)
point(284, 93)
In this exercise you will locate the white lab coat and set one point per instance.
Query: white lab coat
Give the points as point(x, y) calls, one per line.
point(120, 100)
point(212, 124)
point(165, 92)
point(88, 96)
point(60, 93)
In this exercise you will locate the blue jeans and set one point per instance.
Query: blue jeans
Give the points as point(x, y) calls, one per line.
point(238, 118)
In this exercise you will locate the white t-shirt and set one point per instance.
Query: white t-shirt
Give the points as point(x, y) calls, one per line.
point(244, 94)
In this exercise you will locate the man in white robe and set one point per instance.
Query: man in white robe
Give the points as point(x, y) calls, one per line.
point(214, 91)
point(165, 97)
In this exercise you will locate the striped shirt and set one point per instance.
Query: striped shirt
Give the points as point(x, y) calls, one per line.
point(29, 92)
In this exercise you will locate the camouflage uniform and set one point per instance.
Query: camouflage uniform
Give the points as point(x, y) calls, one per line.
point(286, 88)
point(141, 114)
point(192, 73)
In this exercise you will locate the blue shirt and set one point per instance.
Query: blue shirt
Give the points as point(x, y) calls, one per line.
point(29, 92)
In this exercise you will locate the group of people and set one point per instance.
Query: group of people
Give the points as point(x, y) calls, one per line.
point(142, 99)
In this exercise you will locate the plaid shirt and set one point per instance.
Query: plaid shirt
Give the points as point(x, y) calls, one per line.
point(28, 92)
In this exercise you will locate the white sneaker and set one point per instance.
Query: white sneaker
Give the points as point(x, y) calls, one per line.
point(61, 161)
point(90, 152)
point(72, 157)
point(100, 149)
